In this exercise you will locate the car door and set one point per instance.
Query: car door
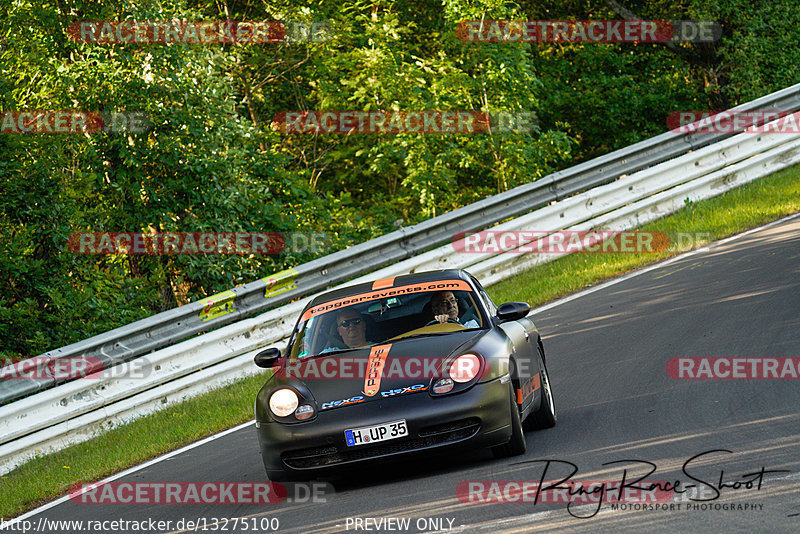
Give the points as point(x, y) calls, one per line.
point(523, 336)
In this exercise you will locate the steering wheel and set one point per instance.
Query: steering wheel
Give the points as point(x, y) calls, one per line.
point(437, 322)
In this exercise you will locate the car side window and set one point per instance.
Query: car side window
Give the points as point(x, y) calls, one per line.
point(489, 304)
point(487, 300)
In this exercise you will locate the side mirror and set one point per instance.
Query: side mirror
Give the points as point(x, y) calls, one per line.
point(511, 311)
point(267, 358)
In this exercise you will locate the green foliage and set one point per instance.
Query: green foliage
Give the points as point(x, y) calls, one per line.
point(213, 161)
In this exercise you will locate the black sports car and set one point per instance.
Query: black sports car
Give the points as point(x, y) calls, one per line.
point(397, 366)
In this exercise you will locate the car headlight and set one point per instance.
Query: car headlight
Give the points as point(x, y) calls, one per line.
point(283, 402)
point(465, 368)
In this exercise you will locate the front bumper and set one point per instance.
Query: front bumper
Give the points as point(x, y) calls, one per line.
point(475, 418)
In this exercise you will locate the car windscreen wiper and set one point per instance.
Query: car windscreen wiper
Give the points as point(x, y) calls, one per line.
point(426, 334)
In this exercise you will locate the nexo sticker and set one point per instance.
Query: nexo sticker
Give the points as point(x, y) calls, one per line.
point(343, 402)
point(404, 390)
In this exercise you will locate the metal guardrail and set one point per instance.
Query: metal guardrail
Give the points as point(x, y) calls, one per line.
point(75, 410)
point(142, 337)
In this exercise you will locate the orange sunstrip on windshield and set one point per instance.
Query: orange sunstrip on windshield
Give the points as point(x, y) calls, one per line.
point(438, 285)
point(377, 359)
point(383, 283)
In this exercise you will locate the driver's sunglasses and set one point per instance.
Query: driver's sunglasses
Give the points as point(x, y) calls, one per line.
point(348, 322)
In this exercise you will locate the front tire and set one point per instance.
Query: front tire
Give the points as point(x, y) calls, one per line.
point(278, 476)
point(516, 445)
point(545, 416)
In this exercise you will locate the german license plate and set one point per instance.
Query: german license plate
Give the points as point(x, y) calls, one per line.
point(375, 433)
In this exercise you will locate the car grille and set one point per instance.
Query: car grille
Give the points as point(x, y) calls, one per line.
point(429, 436)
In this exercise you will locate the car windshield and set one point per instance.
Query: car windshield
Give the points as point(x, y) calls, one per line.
point(385, 315)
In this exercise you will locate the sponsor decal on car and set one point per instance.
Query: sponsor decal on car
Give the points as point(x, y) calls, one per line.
point(357, 399)
point(528, 387)
point(344, 402)
point(404, 390)
point(383, 283)
point(377, 359)
point(438, 285)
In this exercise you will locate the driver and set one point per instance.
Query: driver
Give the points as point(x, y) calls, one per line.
point(445, 307)
point(352, 328)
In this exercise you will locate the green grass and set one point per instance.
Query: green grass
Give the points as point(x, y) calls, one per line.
point(47, 477)
point(737, 210)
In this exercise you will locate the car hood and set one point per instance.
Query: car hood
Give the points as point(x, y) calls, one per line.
point(388, 369)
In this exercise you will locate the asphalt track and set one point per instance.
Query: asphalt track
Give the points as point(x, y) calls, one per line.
point(607, 351)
